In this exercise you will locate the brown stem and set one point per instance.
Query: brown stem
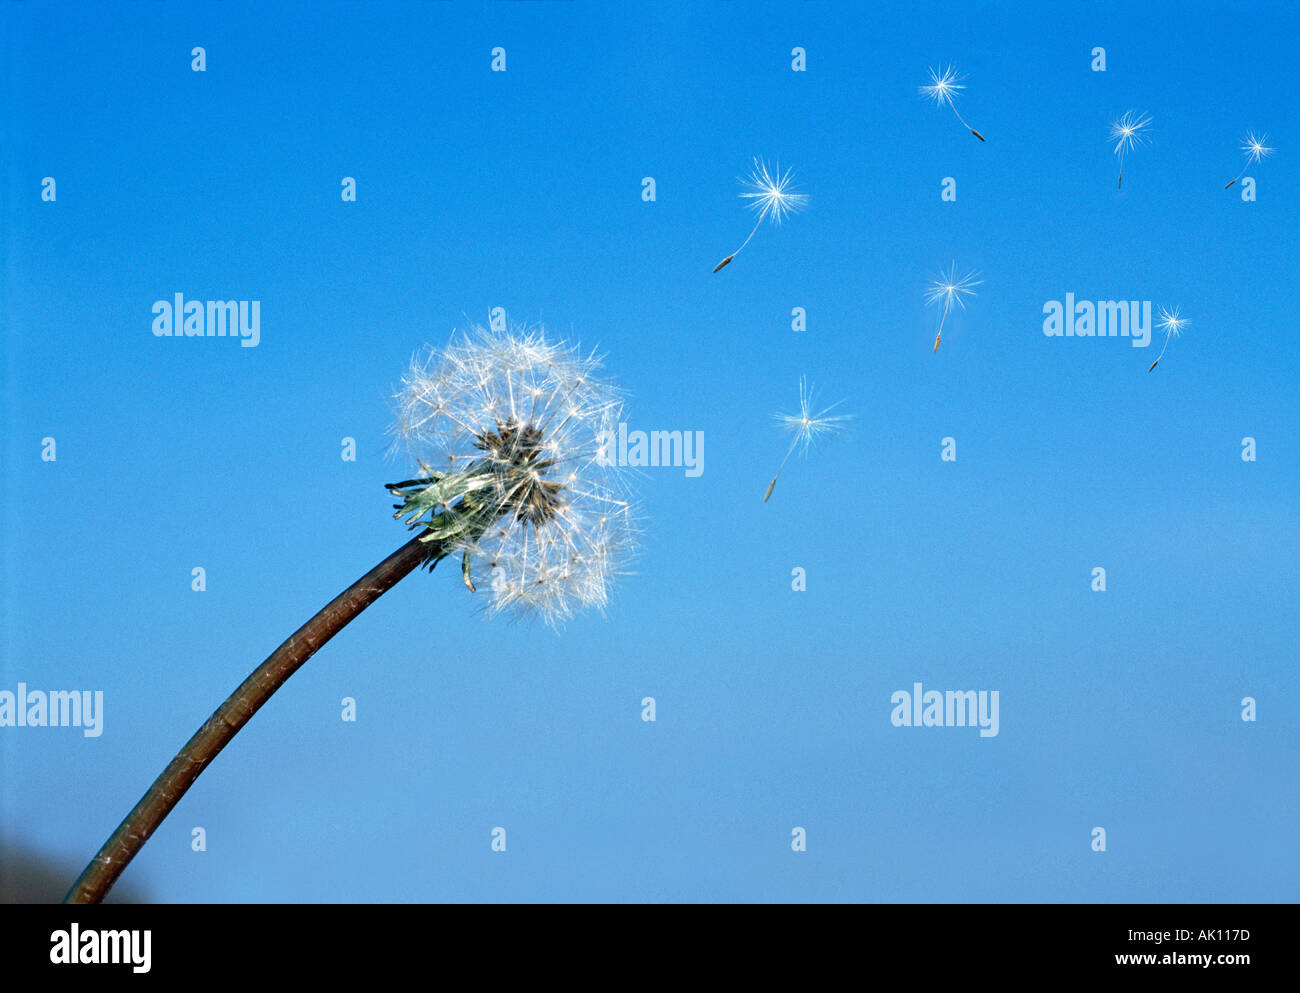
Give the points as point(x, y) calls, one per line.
point(216, 732)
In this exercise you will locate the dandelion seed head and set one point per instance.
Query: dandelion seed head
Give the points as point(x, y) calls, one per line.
point(547, 522)
point(770, 193)
point(1129, 131)
point(1256, 147)
point(1172, 322)
point(948, 287)
point(943, 86)
point(809, 425)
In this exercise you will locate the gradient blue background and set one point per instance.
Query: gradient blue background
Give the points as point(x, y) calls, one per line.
point(522, 190)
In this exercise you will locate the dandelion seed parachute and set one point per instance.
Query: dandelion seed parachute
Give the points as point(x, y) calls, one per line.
point(1172, 323)
point(950, 289)
point(942, 88)
point(806, 427)
point(1128, 131)
point(1255, 149)
point(770, 194)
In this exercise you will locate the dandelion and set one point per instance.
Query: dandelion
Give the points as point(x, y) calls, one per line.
point(806, 427)
point(1255, 150)
point(510, 431)
point(948, 288)
point(1172, 324)
point(770, 194)
point(1128, 132)
point(942, 88)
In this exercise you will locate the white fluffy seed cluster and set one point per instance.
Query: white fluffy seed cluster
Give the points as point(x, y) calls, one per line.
point(565, 524)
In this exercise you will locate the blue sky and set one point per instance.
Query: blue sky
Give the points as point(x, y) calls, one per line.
point(522, 189)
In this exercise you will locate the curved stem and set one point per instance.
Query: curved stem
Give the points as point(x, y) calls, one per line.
point(180, 774)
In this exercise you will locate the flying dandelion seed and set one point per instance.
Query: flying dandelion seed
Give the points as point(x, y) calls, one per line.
point(1128, 132)
point(806, 427)
point(1255, 150)
point(1172, 324)
point(770, 194)
point(948, 288)
point(510, 430)
point(942, 88)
